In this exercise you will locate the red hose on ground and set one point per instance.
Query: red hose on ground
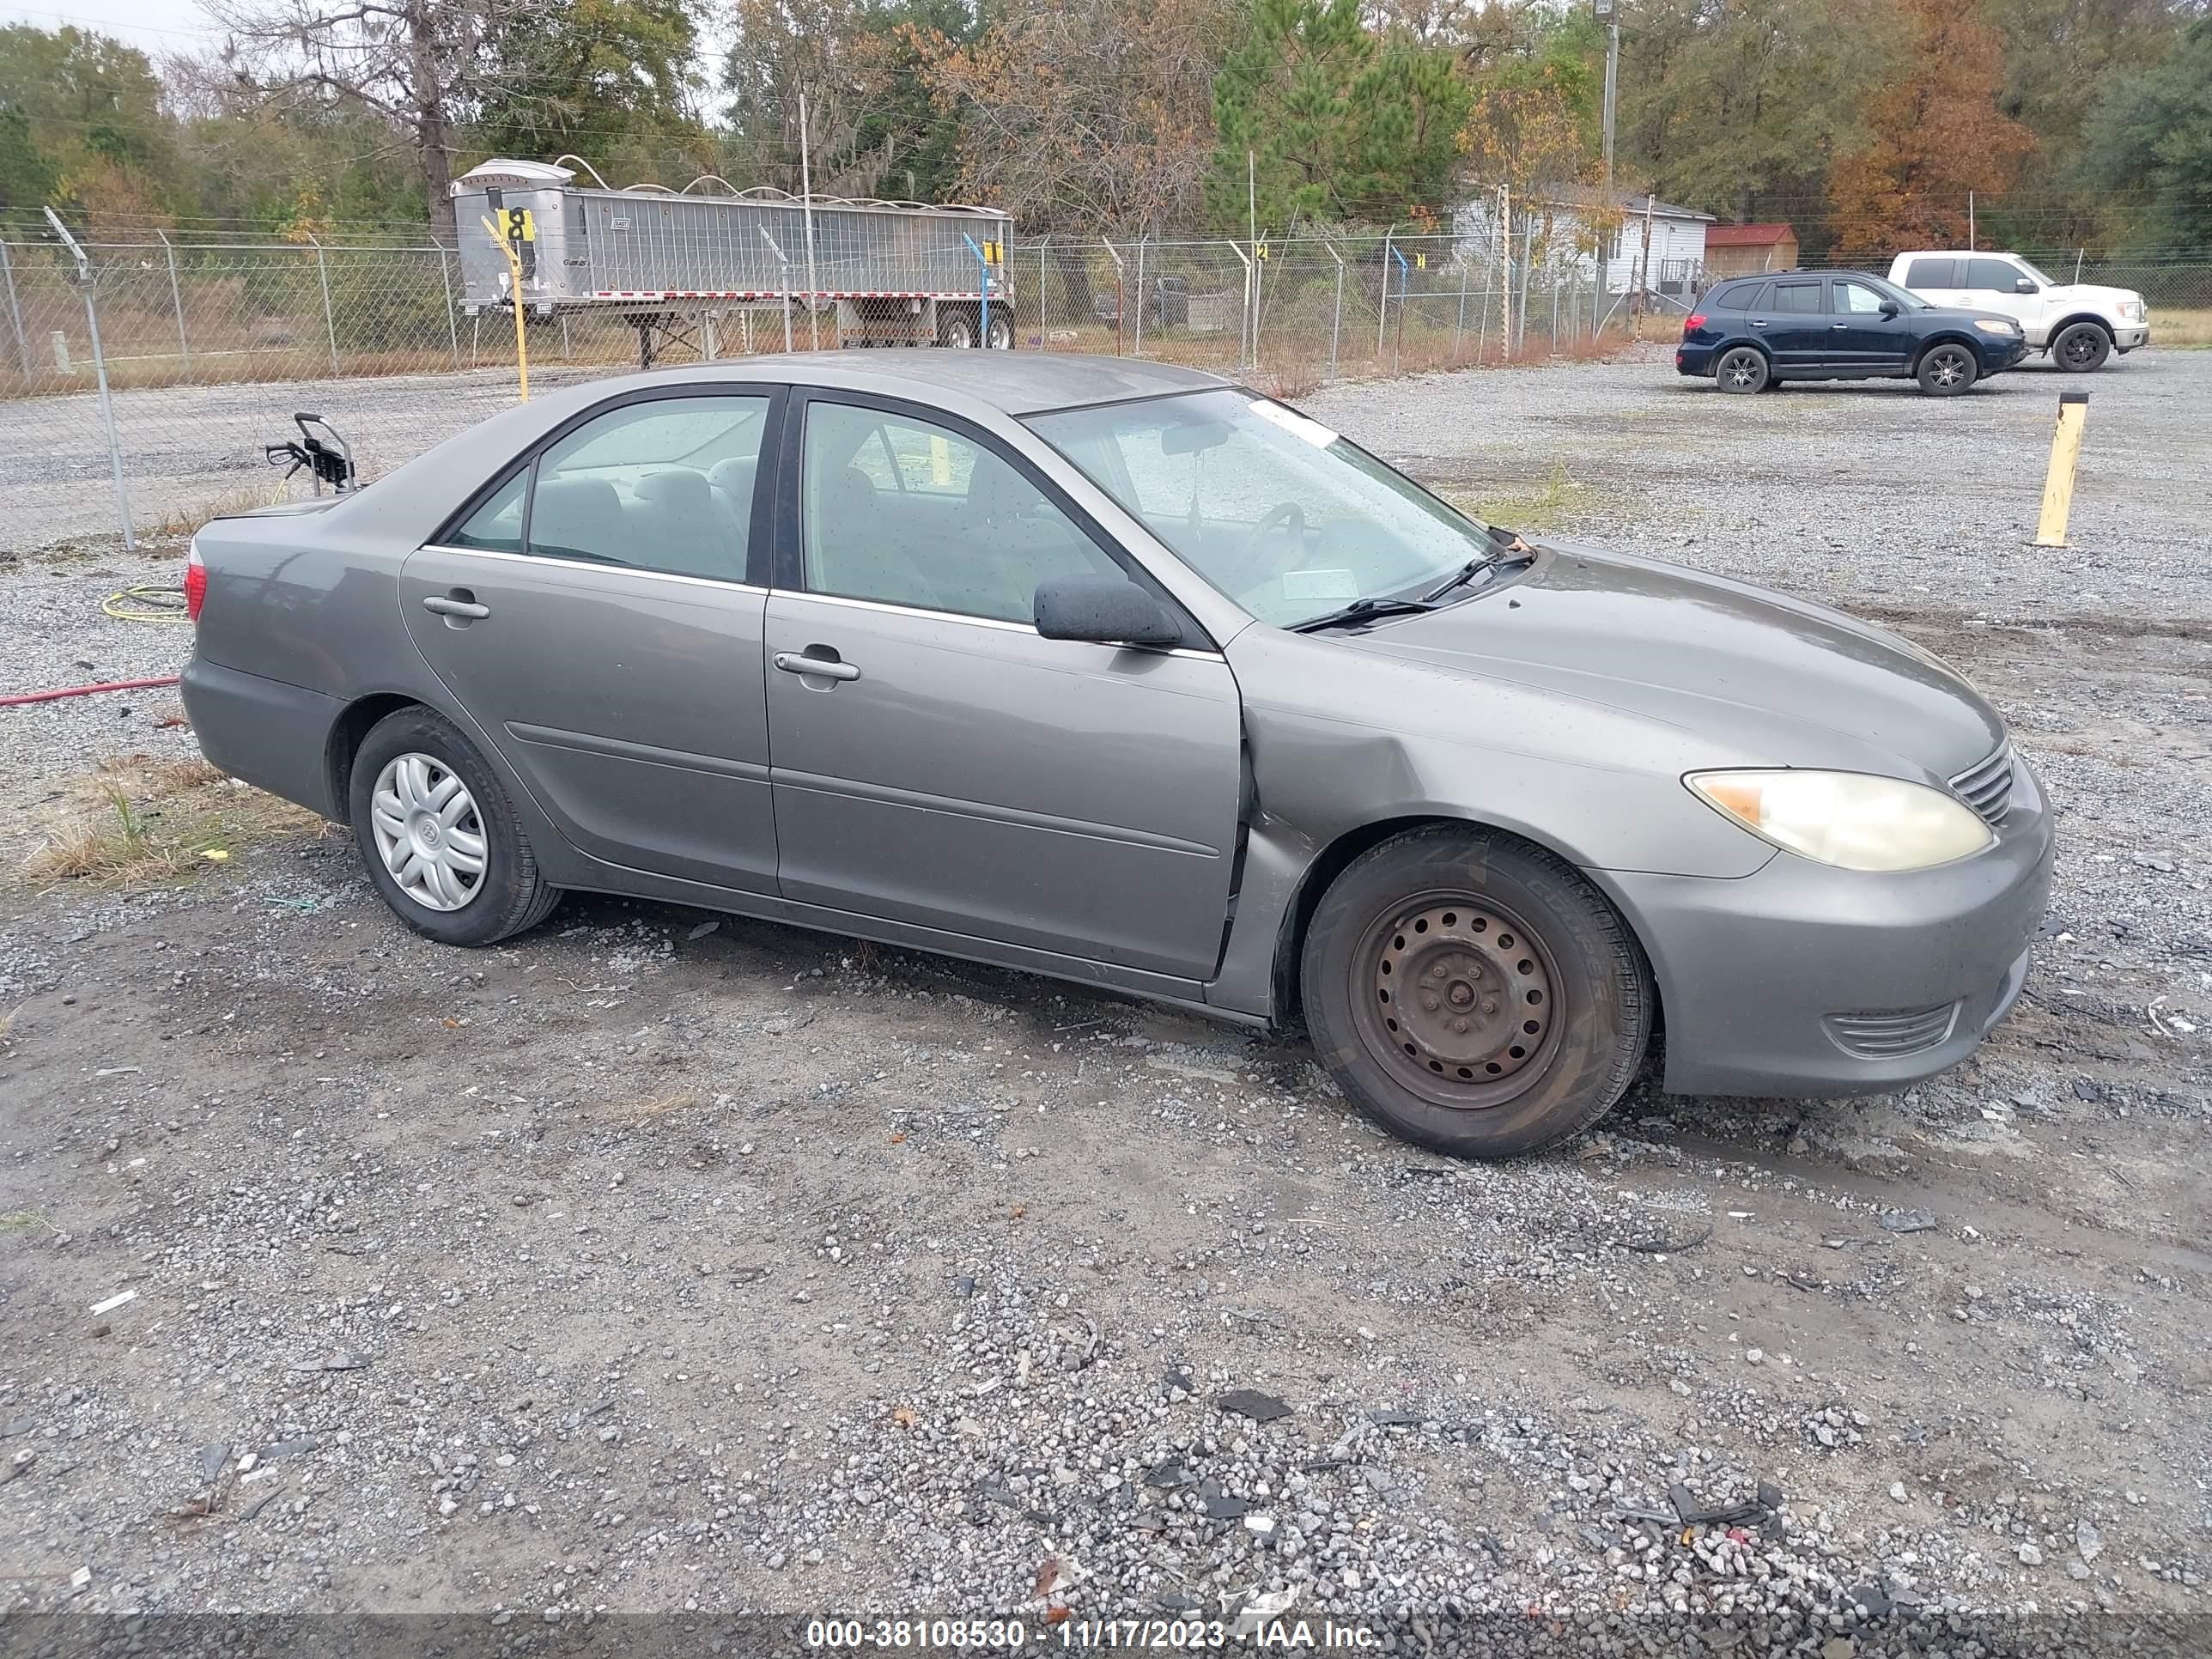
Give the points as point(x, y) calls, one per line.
point(84, 691)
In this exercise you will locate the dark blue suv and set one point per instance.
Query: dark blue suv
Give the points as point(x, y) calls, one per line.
point(1750, 333)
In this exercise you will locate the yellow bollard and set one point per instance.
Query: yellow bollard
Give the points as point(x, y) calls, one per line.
point(2066, 456)
point(514, 302)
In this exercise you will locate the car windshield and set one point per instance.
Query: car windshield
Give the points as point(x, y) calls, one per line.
point(2047, 282)
point(1275, 510)
point(1890, 290)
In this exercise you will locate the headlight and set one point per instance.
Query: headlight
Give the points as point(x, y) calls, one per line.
point(2132, 309)
point(1850, 819)
point(1996, 325)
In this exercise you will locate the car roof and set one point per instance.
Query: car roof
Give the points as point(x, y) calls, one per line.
point(1013, 382)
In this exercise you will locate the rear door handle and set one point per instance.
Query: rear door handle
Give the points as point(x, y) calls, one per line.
point(1757, 323)
point(1838, 324)
point(827, 668)
point(445, 607)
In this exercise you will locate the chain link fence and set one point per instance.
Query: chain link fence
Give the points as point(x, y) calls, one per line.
point(208, 350)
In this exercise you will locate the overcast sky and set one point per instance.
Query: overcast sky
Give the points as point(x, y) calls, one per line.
point(154, 27)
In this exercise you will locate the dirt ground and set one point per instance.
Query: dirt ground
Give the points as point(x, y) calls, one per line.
point(663, 1260)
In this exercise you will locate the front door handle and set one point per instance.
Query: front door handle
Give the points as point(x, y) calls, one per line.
point(1757, 323)
point(1838, 324)
point(827, 668)
point(445, 607)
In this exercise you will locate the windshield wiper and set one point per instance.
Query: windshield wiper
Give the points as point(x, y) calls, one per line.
point(1502, 560)
point(1360, 611)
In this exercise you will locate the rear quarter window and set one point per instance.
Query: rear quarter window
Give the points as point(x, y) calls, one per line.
point(1735, 296)
point(1932, 273)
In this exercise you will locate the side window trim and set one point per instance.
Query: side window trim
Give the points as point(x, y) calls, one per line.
point(788, 573)
point(760, 522)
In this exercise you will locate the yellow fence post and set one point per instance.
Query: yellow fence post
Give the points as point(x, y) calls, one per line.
point(2066, 456)
point(514, 303)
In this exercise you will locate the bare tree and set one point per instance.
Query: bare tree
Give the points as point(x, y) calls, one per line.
point(423, 65)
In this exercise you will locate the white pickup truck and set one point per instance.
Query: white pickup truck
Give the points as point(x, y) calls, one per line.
point(2079, 325)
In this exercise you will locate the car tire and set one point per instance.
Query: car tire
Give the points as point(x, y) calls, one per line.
point(2083, 347)
point(956, 329)
point(1945, 370)
point(424, 805)
point(1742, 369)
point(1001, 333)
point(1532, 1004)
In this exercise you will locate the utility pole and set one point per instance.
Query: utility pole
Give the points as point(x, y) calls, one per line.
point(1607, 12)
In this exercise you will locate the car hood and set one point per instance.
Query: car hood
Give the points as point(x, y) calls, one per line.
point(1782, 681)
point(2090, 294)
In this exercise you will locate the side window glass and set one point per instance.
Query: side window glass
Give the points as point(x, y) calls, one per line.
point(1793, 299)
point(1991, 275)
point(1932, 273)
point(1752, 297)
point(662, 485)
point(496, 526)
point(959, 528)
point(1856, 300)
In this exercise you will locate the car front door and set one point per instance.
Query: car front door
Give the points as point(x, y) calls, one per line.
point(1793, 323)
point(1996, 285)
point(936, 761)
point(1862, 340)
point(596, 615)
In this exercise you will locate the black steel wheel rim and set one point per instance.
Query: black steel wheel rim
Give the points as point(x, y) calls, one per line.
point(1457, 999)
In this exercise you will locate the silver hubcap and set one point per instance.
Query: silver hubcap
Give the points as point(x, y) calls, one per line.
point(428, 832)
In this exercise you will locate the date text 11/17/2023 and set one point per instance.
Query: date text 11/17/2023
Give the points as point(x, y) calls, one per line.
point(1079, 1634)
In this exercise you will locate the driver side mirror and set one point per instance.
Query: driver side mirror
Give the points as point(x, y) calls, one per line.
point(1889, 307)
point(1103, 610)
point(2024, 285)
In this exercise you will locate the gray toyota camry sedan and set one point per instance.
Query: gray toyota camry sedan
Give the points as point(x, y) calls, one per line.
point(1119, 672)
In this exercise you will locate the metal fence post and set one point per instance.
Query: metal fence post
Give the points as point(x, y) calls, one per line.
point(1336, 320)
point(14, 310)
point(1044, 337)
point(87, 281)
point(1383, 311)
point(1138, 350)
point(177, 299)
point(1459, 327)
point(1247, 323)
point(330, 321)
point(452, 318)
point(1120, 293)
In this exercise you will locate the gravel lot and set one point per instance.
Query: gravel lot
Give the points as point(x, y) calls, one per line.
point(663, 1262)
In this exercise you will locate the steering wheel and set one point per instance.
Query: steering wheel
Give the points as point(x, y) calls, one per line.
point(1247, 565)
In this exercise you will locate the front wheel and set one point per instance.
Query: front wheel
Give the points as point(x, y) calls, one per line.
point(439, 834)
point(1946, 370)
point(1473, 993)
point(1742, 369)
point(2081, 348)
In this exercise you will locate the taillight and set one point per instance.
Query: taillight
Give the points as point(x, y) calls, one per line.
point(1695, 319)
point(195, 582)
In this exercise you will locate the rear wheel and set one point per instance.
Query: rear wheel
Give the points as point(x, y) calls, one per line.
point(1473, 993)
point(439, 834)
point(1002, 331)
point(956, 329)
point(2081, 348)
point(1744, 368)
point(1945, 370)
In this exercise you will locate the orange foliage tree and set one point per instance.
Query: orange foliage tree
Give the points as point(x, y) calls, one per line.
point(1935, 134)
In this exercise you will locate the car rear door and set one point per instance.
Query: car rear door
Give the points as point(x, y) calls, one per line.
point(936, 761)
point(1794, 322)
point(596, 614)
point(1939, 279)
point(1862, 340)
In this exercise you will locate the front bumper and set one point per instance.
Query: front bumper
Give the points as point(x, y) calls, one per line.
point(1804, 980)
point(2129, 337)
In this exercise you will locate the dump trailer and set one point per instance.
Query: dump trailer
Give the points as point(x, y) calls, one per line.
point(673, 265)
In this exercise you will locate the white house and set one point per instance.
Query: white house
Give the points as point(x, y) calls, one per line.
point(1675, 237)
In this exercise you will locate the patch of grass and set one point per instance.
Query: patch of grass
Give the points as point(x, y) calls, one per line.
point(1545, 504)
point(22, 1221)
point(181, 523)
point(135, 821)
point(2174, 326)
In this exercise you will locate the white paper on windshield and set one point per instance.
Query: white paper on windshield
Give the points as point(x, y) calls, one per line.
point(1319, 585)
point(1294, 423)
